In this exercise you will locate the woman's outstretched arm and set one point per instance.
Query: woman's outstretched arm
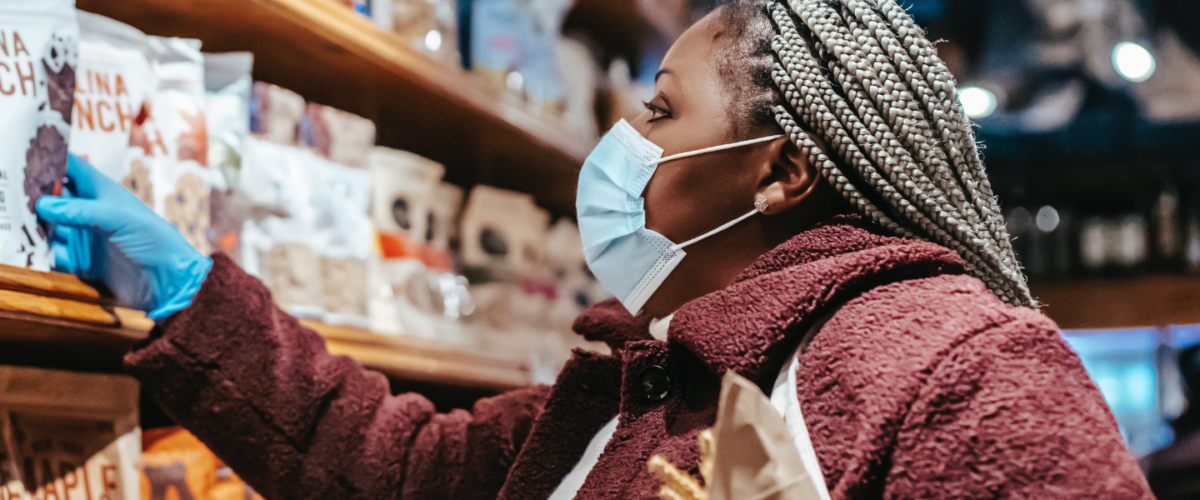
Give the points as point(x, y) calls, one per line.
point(296, 422)
point(260, 389)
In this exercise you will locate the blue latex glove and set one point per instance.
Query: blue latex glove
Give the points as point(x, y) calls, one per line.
point(106, 233)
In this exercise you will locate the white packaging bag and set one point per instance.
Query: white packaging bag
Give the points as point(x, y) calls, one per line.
point(227, 85)
point(38, 57)
point(280, 250)
point(181, 178)
point(342, 239)
point(114, 80)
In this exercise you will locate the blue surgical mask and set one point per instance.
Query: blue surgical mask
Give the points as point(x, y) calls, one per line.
point(628, 259)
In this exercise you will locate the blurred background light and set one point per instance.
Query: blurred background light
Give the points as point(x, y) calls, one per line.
point(515, 81)
point(433, 40)
point(977, 102)
point(1047, 219)
point(1133, 62)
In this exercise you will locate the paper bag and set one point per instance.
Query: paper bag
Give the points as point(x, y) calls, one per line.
point(747, 455)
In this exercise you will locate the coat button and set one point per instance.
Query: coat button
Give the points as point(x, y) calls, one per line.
point(655, 383)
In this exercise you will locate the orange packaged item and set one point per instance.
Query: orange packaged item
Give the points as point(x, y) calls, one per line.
point(177, 466)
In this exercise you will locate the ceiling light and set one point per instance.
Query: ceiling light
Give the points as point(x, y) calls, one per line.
point(977, 102)
point(1133, 62)
point(1047, 219)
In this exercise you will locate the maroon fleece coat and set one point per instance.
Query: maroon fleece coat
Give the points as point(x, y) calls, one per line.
point(921, 385)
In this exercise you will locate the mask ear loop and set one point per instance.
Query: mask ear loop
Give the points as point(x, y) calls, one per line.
point(715, 148)
point(725, 226)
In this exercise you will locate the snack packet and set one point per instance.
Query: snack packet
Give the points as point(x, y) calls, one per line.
point(275, 113)
point(343, 239)
point(442, 226)
point(280, 250)
point(174, 459)
point(114, 81)
point(402, 190)
point(337, 135)
point(227, 86)
point(39, 53)
point(181, 178)
point(503, 232)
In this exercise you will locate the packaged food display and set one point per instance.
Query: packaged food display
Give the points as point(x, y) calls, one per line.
point(280, 249)
point(495, 42)
point(580, 77)
point(178, 104)
point(39, 49)
point(174, 460)
point(514, 46)
point(275, 113)
point(180, 179)
point(114, 80)
point(68, 435)
point(337, 135)
point(403, 186)
point(442, 226)
point(227, 86)
point(342, 239)
point(504, 232)
point(540, 37)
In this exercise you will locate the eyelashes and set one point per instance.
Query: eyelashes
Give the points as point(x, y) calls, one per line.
point(656, 112)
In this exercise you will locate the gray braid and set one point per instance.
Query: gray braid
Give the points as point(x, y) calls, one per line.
point(956, 128)
point(862, 76)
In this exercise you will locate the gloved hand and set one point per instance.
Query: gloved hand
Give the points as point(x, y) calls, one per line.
point(105, 233)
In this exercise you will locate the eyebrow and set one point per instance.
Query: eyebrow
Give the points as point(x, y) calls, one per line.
point(662, 72)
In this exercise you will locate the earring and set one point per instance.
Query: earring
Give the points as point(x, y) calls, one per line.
point(761, 204)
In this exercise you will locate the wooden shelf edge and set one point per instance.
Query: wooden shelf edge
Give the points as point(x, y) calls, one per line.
point(59, 285)
point(76, 332)
point(422, 360)
point(1147, 301)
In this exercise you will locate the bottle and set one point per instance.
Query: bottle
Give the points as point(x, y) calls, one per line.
point(1168, 240)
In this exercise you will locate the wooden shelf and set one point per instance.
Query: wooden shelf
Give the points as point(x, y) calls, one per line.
point(1125, 303)
point(417, 360)
point(333, 56)
point(56, 321)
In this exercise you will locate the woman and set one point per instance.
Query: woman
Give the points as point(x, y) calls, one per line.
point(858, 262)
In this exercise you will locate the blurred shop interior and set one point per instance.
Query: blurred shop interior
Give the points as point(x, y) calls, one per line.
point(401, 174)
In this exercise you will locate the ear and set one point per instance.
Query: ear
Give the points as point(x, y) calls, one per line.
point(789, 179)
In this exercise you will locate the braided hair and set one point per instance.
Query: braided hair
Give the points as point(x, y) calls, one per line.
point(894, 141)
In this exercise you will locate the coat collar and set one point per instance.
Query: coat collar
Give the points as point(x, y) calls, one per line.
point(752, 325)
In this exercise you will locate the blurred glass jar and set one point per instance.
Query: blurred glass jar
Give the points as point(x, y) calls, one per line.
point(430, 25)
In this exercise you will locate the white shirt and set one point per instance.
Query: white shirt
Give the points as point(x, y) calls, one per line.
point(784, 398)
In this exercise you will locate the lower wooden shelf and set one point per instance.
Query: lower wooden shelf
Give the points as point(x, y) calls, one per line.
point(55, 321)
